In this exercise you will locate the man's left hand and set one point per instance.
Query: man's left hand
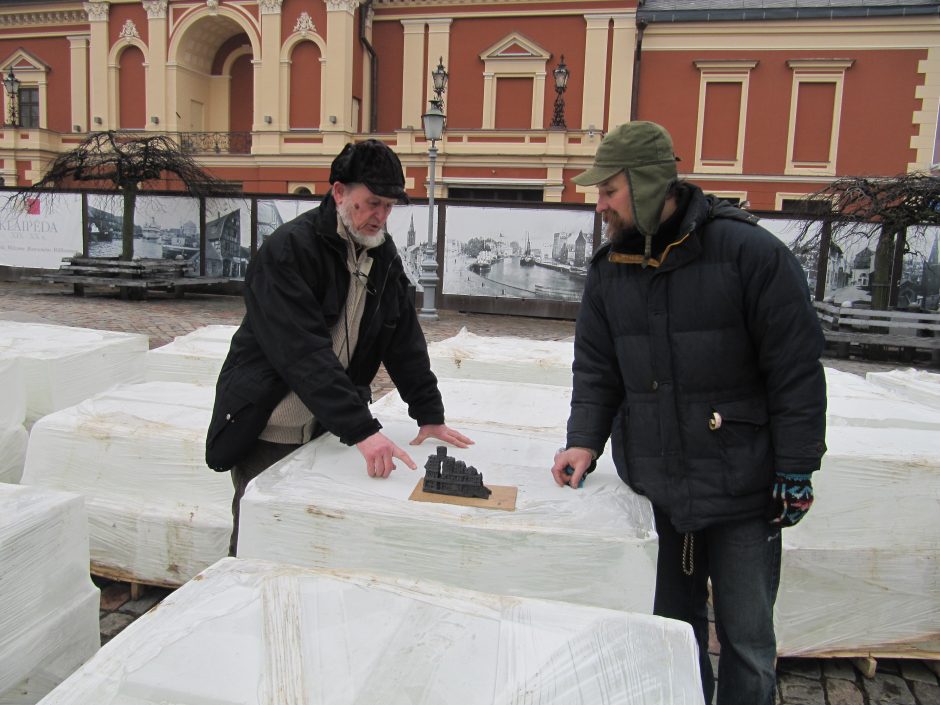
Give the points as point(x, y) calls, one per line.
point(792, 496)
point(442, 433)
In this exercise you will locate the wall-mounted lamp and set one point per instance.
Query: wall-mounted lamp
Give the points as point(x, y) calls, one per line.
point(76, 128)
point(267, 120)
point(12, 85)
point(591, 130)
point(332, 119)
point(560, 75)
point(98, 120)
point(154, 119)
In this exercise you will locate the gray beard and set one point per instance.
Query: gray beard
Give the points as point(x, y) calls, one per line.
point(360, 238)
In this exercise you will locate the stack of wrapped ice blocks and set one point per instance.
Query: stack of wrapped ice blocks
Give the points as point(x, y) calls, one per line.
point(914, 385)
point(48, 604)
point(195, 358)
point(256, 632)
point(13, 433)
point(136, 452)
point(61, 365)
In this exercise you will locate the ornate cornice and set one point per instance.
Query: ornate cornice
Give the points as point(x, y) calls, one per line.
point(156, 9)
point(270, 7)
point(43, 19)
point(97, 11)
point(341, 5)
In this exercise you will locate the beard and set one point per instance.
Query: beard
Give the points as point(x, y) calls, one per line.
point(344, 212)
point(616, 230)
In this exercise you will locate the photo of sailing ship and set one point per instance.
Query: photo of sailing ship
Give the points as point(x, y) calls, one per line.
point(524, 253)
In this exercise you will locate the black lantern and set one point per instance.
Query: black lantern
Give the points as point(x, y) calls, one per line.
point(439, 76)
point(561, 74)
point(12, 85)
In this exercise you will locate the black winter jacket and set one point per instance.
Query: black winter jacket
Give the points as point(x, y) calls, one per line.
point(724, 325)
point(295, 291)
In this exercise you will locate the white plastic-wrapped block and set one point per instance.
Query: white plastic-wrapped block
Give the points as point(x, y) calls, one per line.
point(13, 398)
point(195, 357)
point(520, 408)
point(49, 614)
point(62, 366)
point(862, 570)
point(471, 356)
point(916, 385)
point(855, 401)
point(258, 632)
point(319, 508)
point(12, 452)
point(157, 514)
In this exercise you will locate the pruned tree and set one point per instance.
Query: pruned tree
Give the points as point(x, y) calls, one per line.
point(129, 163)
point(899, 207)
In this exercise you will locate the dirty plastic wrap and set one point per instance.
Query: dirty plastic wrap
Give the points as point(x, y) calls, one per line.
point(13, 398)
point(259, 632)
point(62, 366)
point(195, 357)
point(12, 452)
point(861, 573)
point(319, 508)
point(470, 356)
point(915, 385)
point(48, 604)
point(157, 514)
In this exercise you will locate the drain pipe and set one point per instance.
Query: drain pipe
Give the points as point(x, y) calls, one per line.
point(364, 11)
point(637, 53)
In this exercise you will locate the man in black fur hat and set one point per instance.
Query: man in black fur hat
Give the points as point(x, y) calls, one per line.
point(697, 353)
point(326, 303)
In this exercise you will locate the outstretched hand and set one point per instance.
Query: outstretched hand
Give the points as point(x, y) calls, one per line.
point(441, 432)
point(379, 452)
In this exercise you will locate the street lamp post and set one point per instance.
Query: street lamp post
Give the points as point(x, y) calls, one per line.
point(12, 85)
point(433, 121)
point(561, 84)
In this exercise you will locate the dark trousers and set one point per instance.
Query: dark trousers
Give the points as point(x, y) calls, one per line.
point(262, 456)
point(743, 561)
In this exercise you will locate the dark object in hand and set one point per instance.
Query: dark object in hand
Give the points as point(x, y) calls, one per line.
point(570, 471)
point(445, 475)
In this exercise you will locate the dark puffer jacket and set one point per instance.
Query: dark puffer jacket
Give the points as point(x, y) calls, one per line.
point(723, 327)
point(295, 292)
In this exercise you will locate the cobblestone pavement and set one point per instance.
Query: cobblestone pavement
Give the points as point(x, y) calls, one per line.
point(800, 681)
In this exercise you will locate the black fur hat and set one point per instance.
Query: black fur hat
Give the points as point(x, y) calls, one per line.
point(373, 164)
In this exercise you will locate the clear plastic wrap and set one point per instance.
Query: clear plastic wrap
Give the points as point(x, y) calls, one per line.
point(136, 453)
point(49, 614)
point(914, 385)
point(13, 399)
point(12, 453)
point(258, 632)
point(195, 357)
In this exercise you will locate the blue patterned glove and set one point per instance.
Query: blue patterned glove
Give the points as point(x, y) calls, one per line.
point(793, 496)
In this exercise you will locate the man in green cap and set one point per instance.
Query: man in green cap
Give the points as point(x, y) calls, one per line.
point(697, 354)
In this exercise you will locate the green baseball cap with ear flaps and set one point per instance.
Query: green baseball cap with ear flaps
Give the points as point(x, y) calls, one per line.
point(644, 151)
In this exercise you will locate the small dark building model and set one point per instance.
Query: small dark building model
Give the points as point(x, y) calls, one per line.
point(446, 475)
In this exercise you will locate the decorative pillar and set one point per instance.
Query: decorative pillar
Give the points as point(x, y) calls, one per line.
point(595, 66)
point(340, 33)
point(156, 71)
point(412, 98)
point(438, 50)
point(267, 98)
point(621, 69)
point(78, 64)
point(97, 12)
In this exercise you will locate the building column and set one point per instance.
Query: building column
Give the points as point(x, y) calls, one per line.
point(595, 66)
point(621, 68)
point(267, 83)
point(412, 99)
point(97, 12)
point(78, 65)
point(438, 49)
point(340, 33)
point(156, 71)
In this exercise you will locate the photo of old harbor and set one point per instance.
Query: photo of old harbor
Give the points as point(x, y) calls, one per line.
point(523, 253)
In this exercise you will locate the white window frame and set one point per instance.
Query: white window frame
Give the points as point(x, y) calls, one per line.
point(722, 71)
point(816, 71)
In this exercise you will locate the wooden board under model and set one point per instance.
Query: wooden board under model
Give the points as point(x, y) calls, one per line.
point(501, 497)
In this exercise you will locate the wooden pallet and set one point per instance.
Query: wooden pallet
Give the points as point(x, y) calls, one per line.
point(866, 660)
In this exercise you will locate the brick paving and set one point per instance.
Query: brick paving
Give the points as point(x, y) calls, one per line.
point(800, 681)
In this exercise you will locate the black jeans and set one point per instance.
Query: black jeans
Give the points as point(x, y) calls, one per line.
point(743, 561)
point(262, 456)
